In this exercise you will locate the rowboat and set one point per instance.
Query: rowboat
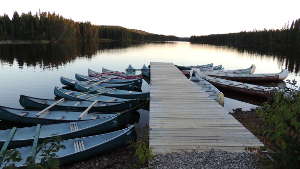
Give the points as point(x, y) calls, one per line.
point(85, 87)
point(112, 79)
point(39, 103)
point(79, 148)
point(125, 86)
point(92, 73)
point(24, 136)
point(210, 89)
point(246, 88)
point(80, 96)
point(271, 77)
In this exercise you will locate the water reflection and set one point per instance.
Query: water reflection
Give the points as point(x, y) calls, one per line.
point(35, 69)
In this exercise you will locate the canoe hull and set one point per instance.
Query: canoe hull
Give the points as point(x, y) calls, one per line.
point(28, 103)
point(243, 90)
point(113, 144)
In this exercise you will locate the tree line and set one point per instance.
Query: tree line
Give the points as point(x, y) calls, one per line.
point(285, 41)
point(54, 28)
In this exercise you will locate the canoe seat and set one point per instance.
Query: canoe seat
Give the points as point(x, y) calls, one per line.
point(23, 114)
point(63, 117)
point(74, 126)
point(79, 146)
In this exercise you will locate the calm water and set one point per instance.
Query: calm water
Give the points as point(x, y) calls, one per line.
point(35, 70)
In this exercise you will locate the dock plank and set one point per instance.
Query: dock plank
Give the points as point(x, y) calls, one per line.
point(184, 118)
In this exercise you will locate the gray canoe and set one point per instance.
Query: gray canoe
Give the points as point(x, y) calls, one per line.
point(48, 117)
point(86, 87)
point(81, 148)
point(24, 136)
point(80, 96)
point(39, 103)
point(124, 86)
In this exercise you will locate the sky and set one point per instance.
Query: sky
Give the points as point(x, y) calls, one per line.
point(170, 17)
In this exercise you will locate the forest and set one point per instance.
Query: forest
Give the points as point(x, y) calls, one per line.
point(285, 41)
point(53, 28)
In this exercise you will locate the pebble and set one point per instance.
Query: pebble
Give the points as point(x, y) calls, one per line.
point(205, 160)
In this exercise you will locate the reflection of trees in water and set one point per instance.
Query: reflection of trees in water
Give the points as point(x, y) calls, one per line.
point(290, 58)
point(49, 56)
point(44, 56)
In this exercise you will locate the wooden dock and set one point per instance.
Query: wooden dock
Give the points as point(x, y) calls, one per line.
point(182, 117)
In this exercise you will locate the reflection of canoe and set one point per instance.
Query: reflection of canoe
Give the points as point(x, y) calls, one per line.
point(93, 73)
point(24, 136)
point(272, 77)
point(38, 104)
point(112, 79)
point(81, 148)
point(80, 96)
point(85, 87)
point(210, 89)
point(48, 117)
point(238, 86)
point(125, 86)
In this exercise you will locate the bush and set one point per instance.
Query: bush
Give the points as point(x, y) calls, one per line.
point(281, 117)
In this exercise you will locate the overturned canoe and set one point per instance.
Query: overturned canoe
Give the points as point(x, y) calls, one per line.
point(125, 86)
point(80, 96)
point(110, 79)
point(39, 103)
point(80, 148)
point(24, 136)
point(271, 77)
point(246, 88)
point(85, 87)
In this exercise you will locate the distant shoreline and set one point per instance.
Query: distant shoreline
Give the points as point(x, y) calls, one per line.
point(23, 42)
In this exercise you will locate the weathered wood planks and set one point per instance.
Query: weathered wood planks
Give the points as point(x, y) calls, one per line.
point(184, 118)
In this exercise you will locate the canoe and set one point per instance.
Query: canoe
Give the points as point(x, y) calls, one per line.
point(249, 70)
point(24, 136)
point(198, 66)
point(112, 79)
point(145, 71)
point(92, 73)
point(82, 148)
point(210, 89)
point(246, 88)
point(85, 87)
point(125, 86)
point(47, 116)
point(39, 103)
point(32, 117)
point(271, 77)
point(80, 96)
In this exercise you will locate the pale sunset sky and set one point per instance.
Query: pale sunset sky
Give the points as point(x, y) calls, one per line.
point(169, 17)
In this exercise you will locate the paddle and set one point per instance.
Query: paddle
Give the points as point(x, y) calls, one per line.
point(49, 107)
point(86, 110)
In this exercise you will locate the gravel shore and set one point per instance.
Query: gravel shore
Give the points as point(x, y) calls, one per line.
point(204, 160)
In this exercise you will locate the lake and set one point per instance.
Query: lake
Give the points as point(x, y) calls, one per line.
point(35, 70)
